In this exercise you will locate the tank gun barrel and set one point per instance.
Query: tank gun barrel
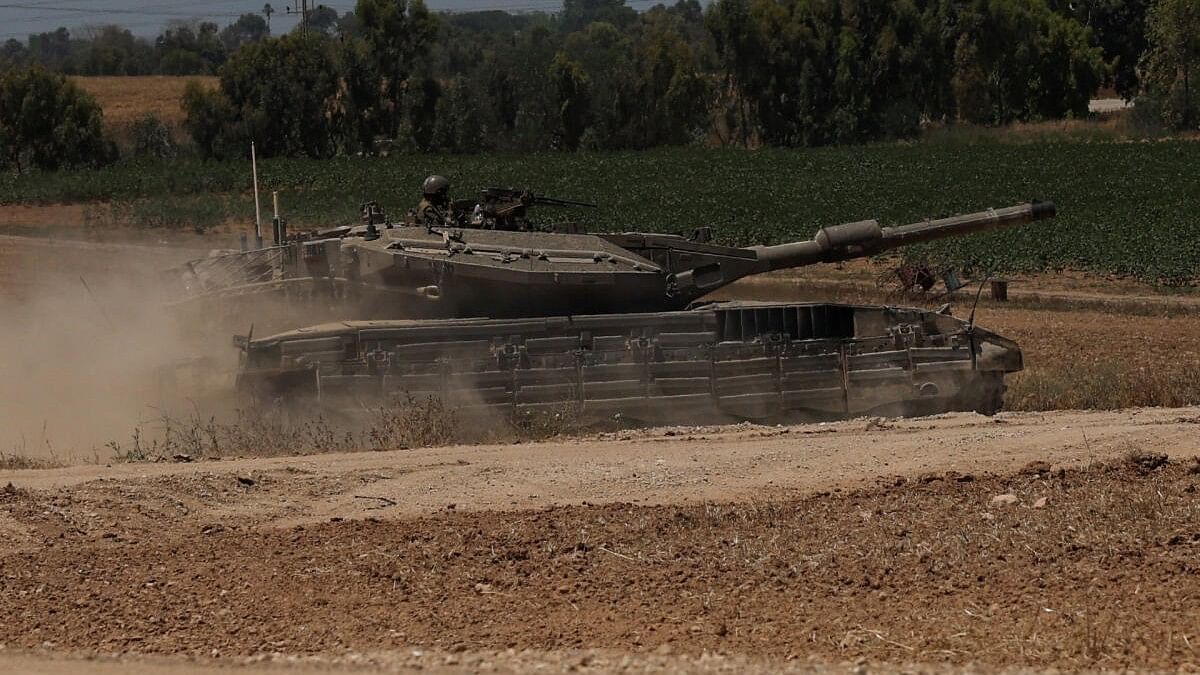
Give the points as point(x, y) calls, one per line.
point(866, 238)
point(852, 240)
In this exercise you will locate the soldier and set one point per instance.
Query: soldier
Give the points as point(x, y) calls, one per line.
point(434, 208)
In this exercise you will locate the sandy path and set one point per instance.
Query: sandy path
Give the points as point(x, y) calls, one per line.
point(658, 466)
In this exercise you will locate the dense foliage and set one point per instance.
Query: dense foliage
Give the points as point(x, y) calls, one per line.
point(601, 76)
point(46, 122)
point(1126, 208)
point(390, 75)
point(1172, 65)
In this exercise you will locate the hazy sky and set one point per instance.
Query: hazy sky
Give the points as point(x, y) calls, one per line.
point(19, 18)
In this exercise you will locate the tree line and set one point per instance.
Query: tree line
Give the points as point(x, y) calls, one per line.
point(393, 76)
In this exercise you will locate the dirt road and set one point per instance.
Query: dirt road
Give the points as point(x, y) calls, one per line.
point(658, 466)
point(819, 544)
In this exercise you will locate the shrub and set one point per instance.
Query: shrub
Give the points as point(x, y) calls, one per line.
point(46, 122)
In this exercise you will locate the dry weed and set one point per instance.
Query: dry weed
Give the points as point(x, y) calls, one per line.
point(1112, 387)
point(18, 461)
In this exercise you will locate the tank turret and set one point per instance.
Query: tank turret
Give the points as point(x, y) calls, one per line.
point(382, 270)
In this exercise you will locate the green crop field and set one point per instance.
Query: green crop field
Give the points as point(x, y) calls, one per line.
point(1125, 208)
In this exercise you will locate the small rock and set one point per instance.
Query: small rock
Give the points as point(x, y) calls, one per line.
point(1041, 503)
point(1007, 499)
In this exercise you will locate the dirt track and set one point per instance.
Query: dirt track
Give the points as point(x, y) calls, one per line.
point(858, 540)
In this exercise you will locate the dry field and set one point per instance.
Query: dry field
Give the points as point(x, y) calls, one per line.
point(1028, 541)
point(881, 545)
point(127, 99)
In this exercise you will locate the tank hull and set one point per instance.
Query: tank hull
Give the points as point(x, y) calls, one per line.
point(714, 363)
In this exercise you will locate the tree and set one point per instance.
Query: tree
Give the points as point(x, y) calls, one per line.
point(825, 71)
point(52, 50)
point(46, 122)
point(189, 49)
point(280, 93)
point(323, 19)
point(397, 33)
point(1173, 61)
point(458, 127)
point(422, 114)
point(248, 28)
point(1120, 30)
point(573, 99)
point(14, 52)
point(1018, 60)
point(113, 50)
point(212, 122)
point(577, 14)
point(742, 58)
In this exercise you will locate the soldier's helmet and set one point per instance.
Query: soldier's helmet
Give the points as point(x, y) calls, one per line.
point(436, 186)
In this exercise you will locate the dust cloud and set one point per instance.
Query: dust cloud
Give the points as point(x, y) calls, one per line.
point(90, 354)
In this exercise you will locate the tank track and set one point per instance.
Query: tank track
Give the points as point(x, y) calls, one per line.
point(720, 362)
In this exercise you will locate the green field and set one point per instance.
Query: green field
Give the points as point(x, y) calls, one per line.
point(1125, 208)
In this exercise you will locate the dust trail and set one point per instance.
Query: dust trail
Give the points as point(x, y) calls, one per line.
point(87, 353)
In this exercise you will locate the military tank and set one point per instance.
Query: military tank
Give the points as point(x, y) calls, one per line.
point(498, 317)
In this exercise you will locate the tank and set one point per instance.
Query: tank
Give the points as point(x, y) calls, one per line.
point(503, 319)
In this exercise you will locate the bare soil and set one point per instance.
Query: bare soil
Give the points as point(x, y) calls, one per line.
point(872, 540)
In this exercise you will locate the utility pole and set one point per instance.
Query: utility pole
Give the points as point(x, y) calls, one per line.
point(268, 10)
point(303, 11)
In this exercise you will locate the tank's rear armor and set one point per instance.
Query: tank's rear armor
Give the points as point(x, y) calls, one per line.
point(715, 363)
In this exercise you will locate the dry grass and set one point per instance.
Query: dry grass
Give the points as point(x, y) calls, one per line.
point(1073, 386)
point(18, 461)
point(128, 99)
point(404, 423)
point(270, 432)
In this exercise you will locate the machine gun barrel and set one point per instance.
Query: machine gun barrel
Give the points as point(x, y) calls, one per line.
point(867, 238)
point(551, 201)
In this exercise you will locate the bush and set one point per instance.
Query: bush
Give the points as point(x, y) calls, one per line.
point(46, 122)
point(150, 137)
